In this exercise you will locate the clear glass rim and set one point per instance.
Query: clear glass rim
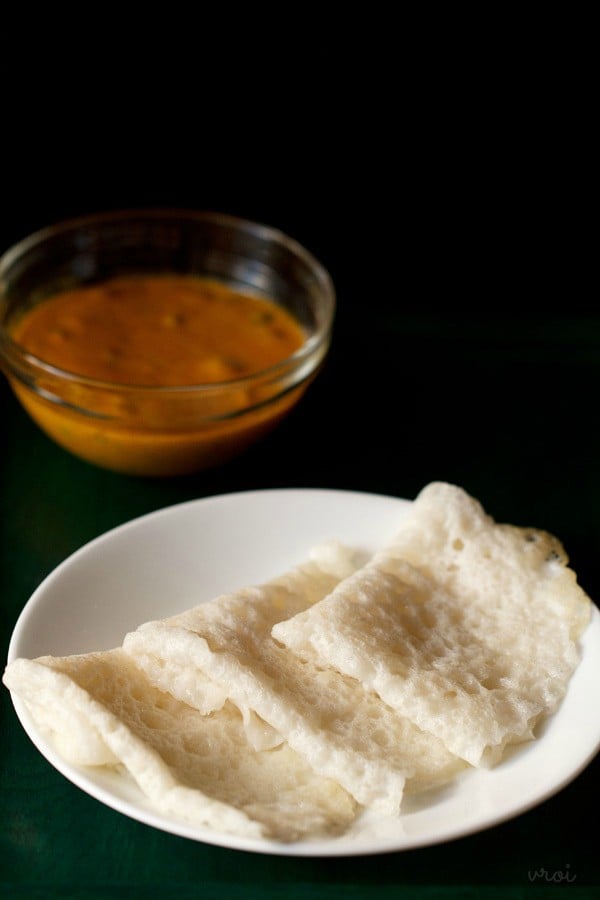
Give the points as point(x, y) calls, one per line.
point(18, 359)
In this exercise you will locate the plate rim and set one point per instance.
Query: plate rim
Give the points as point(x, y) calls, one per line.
point(329, 847)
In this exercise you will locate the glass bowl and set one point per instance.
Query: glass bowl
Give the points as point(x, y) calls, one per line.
point(162, 430)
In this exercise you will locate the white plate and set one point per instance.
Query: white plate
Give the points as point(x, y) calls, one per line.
point(170, 560)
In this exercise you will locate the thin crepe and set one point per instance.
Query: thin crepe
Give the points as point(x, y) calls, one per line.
point(467, 627)
point(344, 732)
point(100, 709)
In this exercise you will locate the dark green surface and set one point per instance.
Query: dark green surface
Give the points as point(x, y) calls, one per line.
point(506, 407)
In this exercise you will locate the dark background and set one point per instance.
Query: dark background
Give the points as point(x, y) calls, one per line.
point(434, 162)
point(440, 166)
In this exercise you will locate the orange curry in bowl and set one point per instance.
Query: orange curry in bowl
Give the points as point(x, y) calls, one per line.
point(147, 342)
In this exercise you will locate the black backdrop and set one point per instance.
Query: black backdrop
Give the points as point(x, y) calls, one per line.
point(442, 171)
point(437, 164)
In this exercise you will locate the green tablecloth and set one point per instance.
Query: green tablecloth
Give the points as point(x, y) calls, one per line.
point(505, 407)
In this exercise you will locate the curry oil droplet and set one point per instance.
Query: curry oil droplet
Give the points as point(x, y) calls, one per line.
point(213, 369)
point(261, 317)
point(173, 320)
point(279, 333)
point(58, 335)
point(112, 355)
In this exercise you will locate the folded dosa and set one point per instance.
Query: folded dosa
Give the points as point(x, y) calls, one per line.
point(274, 710)
point(344, 732)
point(465, 626)
point(100, 709)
